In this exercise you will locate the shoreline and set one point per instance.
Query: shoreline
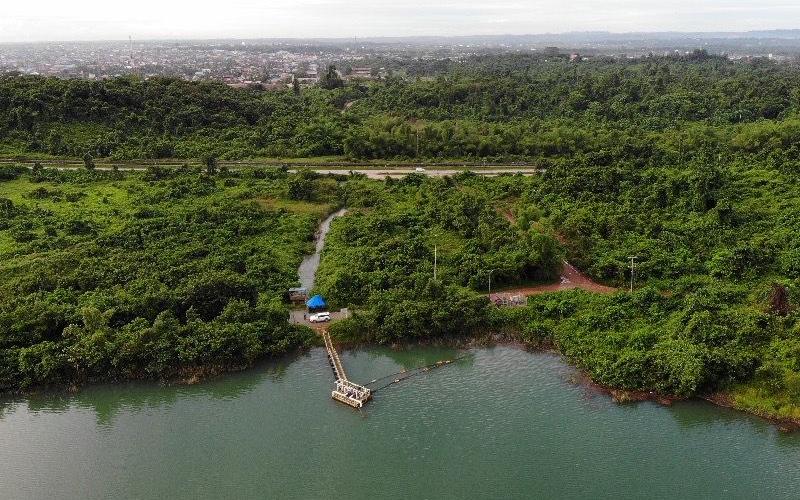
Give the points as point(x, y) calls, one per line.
point(719, 399)
point(188, 376)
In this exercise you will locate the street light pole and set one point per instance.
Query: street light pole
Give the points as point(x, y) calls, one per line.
point(633, 259)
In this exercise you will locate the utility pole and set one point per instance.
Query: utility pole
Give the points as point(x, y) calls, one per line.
point(490, 281)
point(417, 130)
point(633, 263)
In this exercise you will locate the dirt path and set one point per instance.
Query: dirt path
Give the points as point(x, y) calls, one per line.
point(570, 279)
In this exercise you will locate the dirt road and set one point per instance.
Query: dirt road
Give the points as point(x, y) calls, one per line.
point(570, 279)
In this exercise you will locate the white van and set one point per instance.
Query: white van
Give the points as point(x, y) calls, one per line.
point(320, 317)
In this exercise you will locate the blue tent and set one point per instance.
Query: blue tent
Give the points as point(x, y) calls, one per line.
point(316, 302)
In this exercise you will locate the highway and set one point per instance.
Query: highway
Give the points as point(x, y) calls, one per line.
point(372, 171)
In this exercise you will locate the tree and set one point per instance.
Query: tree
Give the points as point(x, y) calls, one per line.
point(301, 188)
point(331, 79)
point(295, 86)
point(209, 293)
point(88, 161)
point(779, 300)
point(210, 162)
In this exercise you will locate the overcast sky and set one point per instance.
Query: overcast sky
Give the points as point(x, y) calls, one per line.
point(35, 20)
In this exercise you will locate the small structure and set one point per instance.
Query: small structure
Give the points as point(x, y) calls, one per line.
point(501, 300)
point(361, 73)
point(346, 392)
point(298, 295)
point(351, 394)
point(316, 303)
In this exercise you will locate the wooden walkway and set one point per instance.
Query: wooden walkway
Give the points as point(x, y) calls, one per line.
point(345, 391)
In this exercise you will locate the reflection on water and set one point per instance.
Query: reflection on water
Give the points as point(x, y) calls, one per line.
point(107, 400)
point(502, 423)
point(694, 414)
point(406, 357)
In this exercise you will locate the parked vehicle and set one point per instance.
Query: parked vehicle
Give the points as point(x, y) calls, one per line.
point(419, 170)
point(321, 317)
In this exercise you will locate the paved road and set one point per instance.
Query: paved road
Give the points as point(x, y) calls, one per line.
point(399, 172)
point(373, 172)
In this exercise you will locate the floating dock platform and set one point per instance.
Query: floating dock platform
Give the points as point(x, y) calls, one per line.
point(345, 391)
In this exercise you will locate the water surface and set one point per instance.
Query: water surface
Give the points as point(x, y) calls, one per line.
point(502, 423)
point(310, 263)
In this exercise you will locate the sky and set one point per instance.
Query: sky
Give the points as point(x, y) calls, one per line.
point(47, 20)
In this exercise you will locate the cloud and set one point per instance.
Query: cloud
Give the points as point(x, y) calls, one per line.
point(102, 19)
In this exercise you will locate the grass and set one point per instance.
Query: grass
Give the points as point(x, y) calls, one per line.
point(99, 197)
point(107, 203)
point(753, 398)
point(7, 243)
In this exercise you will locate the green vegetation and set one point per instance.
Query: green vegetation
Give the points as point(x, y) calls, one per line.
point(380, 258)
point(689, 163)
point(510, 107)
point(154, 275)
point(713, 308)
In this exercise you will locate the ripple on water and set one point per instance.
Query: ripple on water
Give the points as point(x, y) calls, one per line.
point(500, 423)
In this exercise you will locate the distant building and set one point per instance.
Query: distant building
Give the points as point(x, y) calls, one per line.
point(361, 73)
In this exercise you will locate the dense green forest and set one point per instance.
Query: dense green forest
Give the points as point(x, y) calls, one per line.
point(717, 274)
point(690, 163)
point(507, 107)
point(380, 258)
point(160, 274)
point(155, 275)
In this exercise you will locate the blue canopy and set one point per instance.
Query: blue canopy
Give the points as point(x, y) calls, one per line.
point(316, 302)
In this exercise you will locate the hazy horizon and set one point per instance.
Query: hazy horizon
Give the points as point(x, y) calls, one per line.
point(622, 34)
point(94, 20)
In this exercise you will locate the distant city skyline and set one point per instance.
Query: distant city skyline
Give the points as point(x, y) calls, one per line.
point(91, 20)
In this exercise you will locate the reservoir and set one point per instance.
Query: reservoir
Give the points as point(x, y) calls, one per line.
point(499, 423)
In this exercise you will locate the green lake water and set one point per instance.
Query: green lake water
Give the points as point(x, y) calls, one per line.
point(502, 423)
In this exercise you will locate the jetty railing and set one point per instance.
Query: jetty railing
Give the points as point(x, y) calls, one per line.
point(345, 391)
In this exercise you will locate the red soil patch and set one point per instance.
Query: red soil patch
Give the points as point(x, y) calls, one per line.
point(571, 278)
